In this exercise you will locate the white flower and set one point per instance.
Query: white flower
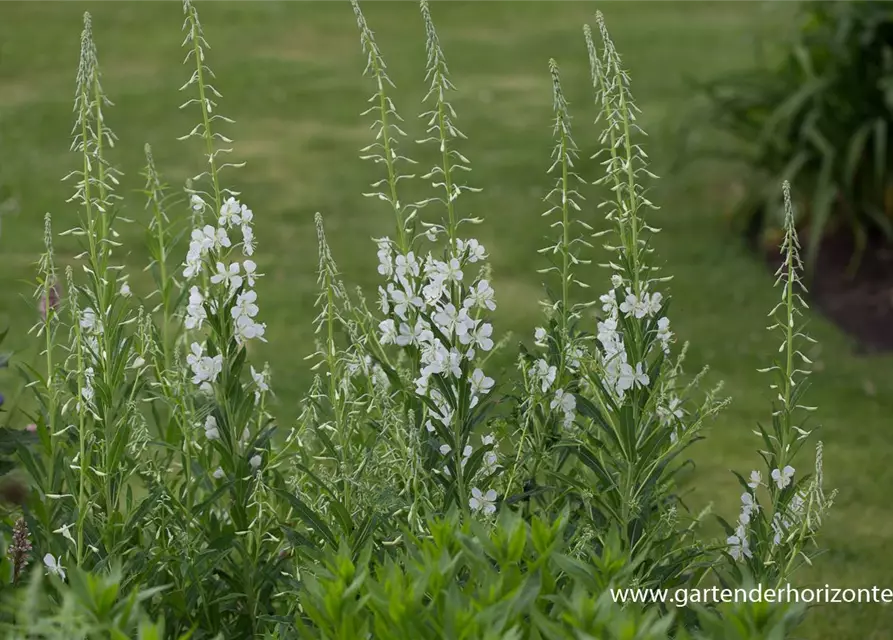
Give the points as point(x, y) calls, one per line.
point(572, 354)
point(475, 249)
point(406, 266)
point(87, 389)
point(193, 262)
point(250, 269)
point(616, 280)
point(88, 320)
point(246, 215)
point(421, 385)
point(228, 275)
point(125, 290)
point(433, 291)
point(255, 461)
point(66, 533)
point(221, 239)
point(544, 374)
point(490, 462)
point(454, 363)
point(480, 383)
point(418, 334)
point(756, 479)
point(481, 295)
point(652, 303)
point(565, 400)
point(478, 336)
point(203, 239)
point(229, 213)
point(211, 430)
point(609, 303)
point(664, 334)
point(245, 306)
point(54, 566)
point(388, 331)
point(218, 473)
point(777, 528)
point(452, 321)
point(195, 309)
point(402, 299)
point(539, 337)
point(248, 329)
point(260, 381)
point(247, 240)
point(488, 439)
point(197, 203)
point(449, 271)
point(434, 356)
point(445, 449)
point(748, 504)
point(783, 477)
point(386, 265)
point(568, 405)
point(204, 368)
point(631, 306)
point(480, 501)
point(383, 302)
point(738, 547)
point(629, 378)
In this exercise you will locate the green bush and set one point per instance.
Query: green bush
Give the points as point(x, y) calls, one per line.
point(413, 496)
point(821, 118)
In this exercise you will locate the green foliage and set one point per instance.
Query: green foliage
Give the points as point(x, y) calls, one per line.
point(517, 580)
point(412, 496)
point(86, 607)
point(820, 119)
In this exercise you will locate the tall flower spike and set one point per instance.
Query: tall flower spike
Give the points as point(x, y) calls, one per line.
point(330, 286)
point(442, 130)
point(95, 181)
point(564, 199)
point(387, 134)
point(625, 162)
point(787, 315)
point(196, 45)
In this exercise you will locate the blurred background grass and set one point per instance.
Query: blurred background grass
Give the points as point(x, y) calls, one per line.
point(290, 73)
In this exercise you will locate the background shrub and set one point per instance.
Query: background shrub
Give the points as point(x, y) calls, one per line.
point(821, 119)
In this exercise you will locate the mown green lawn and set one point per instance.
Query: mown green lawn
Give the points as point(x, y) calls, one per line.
point(290, 73)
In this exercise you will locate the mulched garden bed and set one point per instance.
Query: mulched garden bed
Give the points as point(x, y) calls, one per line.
point(861, 304)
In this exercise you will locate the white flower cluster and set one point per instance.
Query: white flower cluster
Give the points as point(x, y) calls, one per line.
point(670, 414)
point(620, 375)
point(205, 369)
point(91, 329)
point(417, 290)
point(739, 547)
point(568, 405)
point(209, 242)
point(782, 523)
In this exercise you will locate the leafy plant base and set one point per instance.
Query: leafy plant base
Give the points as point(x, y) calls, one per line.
point(860, 301)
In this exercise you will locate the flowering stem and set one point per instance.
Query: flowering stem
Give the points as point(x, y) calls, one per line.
point(388, 154)
point(206, 120)
point(565, 250)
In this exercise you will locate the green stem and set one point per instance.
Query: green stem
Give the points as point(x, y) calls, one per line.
point(389, 160)
point(206, 118)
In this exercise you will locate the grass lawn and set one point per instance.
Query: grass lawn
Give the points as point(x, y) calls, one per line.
point(290, 74)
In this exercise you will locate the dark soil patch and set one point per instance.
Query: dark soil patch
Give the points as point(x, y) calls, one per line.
point(860, 303)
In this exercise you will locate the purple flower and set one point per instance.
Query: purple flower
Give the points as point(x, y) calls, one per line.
point(51, 300)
